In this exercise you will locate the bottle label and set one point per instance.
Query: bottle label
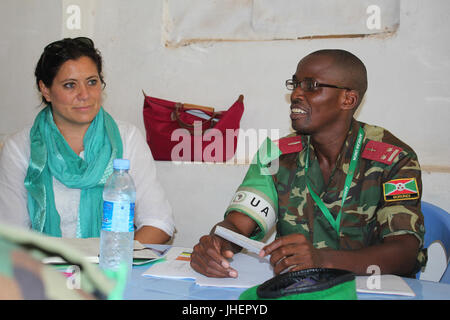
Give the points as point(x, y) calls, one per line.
point(118, 216)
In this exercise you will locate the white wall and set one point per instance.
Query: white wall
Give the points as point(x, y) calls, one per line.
point(408, 86)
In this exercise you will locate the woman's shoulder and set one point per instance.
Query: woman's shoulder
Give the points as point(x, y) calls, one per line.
point(132, 138)
point(16, 147)
point(19, 139)
point(126, 129)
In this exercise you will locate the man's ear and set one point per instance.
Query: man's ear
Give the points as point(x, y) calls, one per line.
point(44, 90)
point(351, 98)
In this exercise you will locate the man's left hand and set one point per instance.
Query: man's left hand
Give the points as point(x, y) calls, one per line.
point(292, 253)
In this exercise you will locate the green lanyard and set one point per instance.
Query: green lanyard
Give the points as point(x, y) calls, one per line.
point(348, 181)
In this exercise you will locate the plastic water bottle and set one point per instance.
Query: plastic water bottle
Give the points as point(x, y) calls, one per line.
point(117, 234)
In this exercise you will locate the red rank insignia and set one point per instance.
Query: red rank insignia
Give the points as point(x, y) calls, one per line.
point(381, 152)
point(290, 144)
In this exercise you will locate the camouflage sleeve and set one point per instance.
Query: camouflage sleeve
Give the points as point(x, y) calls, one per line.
point(400, 212)
point(256, 196)
point(23, 275)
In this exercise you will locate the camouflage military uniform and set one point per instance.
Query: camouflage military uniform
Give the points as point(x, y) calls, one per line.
point(24, 276)
point(374, 208)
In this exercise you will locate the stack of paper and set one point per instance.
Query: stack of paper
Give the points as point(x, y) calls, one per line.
point(175, 265)
point(383, 284)
point(252, 269)
point(90, 249)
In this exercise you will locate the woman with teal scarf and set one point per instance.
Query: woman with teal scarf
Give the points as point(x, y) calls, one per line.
point(70, 149)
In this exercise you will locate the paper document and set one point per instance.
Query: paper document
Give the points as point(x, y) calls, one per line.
point(252, 269)
point(90, 249)
point(239, 239)
point(176, 265)
point(383, 284)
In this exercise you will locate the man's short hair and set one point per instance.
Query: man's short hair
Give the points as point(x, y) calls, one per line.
point(354, 70)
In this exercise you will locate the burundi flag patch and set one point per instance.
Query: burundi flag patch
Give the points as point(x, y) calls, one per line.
point(400, 189)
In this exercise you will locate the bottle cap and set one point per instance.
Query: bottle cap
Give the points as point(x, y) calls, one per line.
point(121, 164)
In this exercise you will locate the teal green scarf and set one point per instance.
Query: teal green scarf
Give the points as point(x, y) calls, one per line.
point(51, 156)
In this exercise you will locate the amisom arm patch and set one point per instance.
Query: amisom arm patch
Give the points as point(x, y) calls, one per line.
point(256, 206)
point(400, 189)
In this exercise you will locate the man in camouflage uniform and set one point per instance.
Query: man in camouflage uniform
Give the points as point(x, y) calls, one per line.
point(24, 277)
point(346, 194)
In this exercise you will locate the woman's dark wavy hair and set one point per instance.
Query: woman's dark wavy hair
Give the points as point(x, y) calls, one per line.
point(57, 53)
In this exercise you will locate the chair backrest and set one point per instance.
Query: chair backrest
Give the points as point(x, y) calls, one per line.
point(437, 227)
point(446, 277)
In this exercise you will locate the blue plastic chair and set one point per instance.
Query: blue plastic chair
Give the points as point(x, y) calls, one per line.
point(437, 227)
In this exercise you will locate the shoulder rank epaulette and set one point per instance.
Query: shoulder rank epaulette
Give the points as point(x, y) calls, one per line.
point(380, 151)
point(290, 144)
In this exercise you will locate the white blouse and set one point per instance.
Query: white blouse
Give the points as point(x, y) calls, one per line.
point(152, 207)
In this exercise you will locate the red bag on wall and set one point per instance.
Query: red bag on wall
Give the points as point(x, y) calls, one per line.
point(186, 132)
